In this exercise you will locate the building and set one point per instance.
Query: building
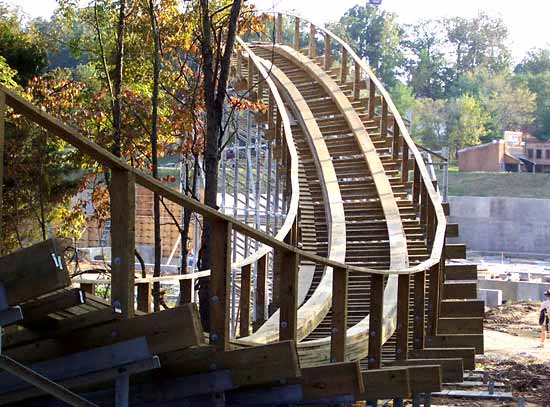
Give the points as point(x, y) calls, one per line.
point(516, 152)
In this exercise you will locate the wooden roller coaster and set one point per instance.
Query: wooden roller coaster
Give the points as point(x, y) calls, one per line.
point(354, 297)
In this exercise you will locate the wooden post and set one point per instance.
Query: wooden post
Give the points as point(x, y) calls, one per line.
point(344, 66)
point(404, 157)
point(261, 284)
point(357, 81)
point(296, 33)
point(433, 297)
point(312, 46)
point(384, 127)
point(328, 50)
point(220, 281)
point(2, 137)
point(144, 297)
point(288, 323)
point(423, 204)
point(123, 216)
point(376, 320)
point(250, 73)
point(402, 343)
point(239, 64)
point(88, 288)
point(244, 302)
point(279, 29)
point(372, 98)
point(416, 186)
point(339, 315)
point(431, 219)
point(419, 301)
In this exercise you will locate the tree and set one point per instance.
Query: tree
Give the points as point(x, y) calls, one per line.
point(429, 123)
point(7, 75)
point(375, 35)
point(402, 98)
point(536, 61)
point(465, 124)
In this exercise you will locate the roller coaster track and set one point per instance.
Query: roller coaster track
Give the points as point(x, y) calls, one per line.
point(357, 271)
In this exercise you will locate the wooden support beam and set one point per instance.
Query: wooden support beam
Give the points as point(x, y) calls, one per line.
point(144, 297)
point(279, 29)
point(384, 122)
point(88, 288)
point(220, 282)
point(2, 142)
point(416, 186)
point(455, 251)
point(460, 326)
point(339, 315)
point(452, 230)
point(261, 285)
point(176, 328)
point(463, 309)
point(425, 379)
point(452, 369)
point(123, 217)
point(424, 206)
point(35, 313)
point(460, 290)
point(312, 49)
point(288, 324)
point(402, 330)
point(251, 68)
point(249, 366)
point(419, 304)
point(460, 272)
point(466, 354)
point(404, 156)
point(386, 383)
point(328, 52)
point(34, 271)
point(434, 277)
point(244, 301)
point(456, 341)
point(376, 321)
point(296, 33)
point(344, 66)
point(357, 82)
point(446, 208)
point(372, 98)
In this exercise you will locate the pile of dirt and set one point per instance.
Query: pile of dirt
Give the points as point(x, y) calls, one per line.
point(518, 318)
point(528, 378)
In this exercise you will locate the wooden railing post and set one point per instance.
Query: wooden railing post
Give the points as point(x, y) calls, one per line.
point(433, 298)
point(372, 98)
point(376, 321)
point(328, 50)
point(123, 216)
point(250, 73)
point(344, 66)
point(384, 128)
point(144, 297)
point(2, 140)
point(404, 158)
point(339, 315)
point(279, 29)
point(416, 186)
point(288, 323)
point(402, 333)
point(423, 205)
point(419, 309)
point(244, 302)
point(297, 34)
point(312, 52)
point(220, 281)
point(357, 81)
point(261, 284)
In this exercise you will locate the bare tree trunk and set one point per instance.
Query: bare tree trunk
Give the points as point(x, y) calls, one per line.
point(216, 66)
point(154, 151)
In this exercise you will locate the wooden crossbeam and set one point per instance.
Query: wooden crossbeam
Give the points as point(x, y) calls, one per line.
point(452, 369)
point(456, 341)
point(386, 383)
point(466, 354)
point(35, 312)
point(460, 290)
point(425, 378)
point(460, 308)
point(455, 251)
point(460, 272)
point(460, 326)
point(34, 271)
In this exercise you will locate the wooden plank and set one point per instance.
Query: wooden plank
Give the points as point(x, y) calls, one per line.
point(452, 369)
point(2, 142)
point(460, 326)
point(279, 29)
point(261, 285)
point(249, 366)
point(446, 208)
point(34, 311)
point(344, 66)
point(372, 94)
point(339, 315)
point(416, 186)
point(460, 272)
point(220, 282)
point(123, 210)
point(404, 155)
point(434, 277)
point(357, 82)
point(452, 230)
point(34, 271)
point(460, 290)
point(419, 315)
point(376, 321)
point(88, 288)
point(326, 381)
point(328, 53)
point(466, 354)
point(288, 326)
point(312, 49)
point(402, 329)
point(455, 251)
point(296, 38)
point(244, 301)
point(460, 308)
point(425, 379)
point(386, 383)
point(176, 328)
point(144, 297)
point(456, 341)
point(60, 328)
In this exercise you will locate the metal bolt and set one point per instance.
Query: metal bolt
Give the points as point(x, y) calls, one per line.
point(334, 330)
point(117, 260)
point(372, 333)
point(214, 337)
point(284, 324)
point(215, 299)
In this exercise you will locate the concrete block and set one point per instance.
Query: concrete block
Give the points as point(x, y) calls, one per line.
point(492, 298)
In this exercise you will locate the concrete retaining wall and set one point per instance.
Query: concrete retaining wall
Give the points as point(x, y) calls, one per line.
point(495, 224)
point(516, 291)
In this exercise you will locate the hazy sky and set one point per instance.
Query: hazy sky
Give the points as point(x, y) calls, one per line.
point(528, 20)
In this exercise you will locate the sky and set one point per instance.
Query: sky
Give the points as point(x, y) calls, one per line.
point(527, 20)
